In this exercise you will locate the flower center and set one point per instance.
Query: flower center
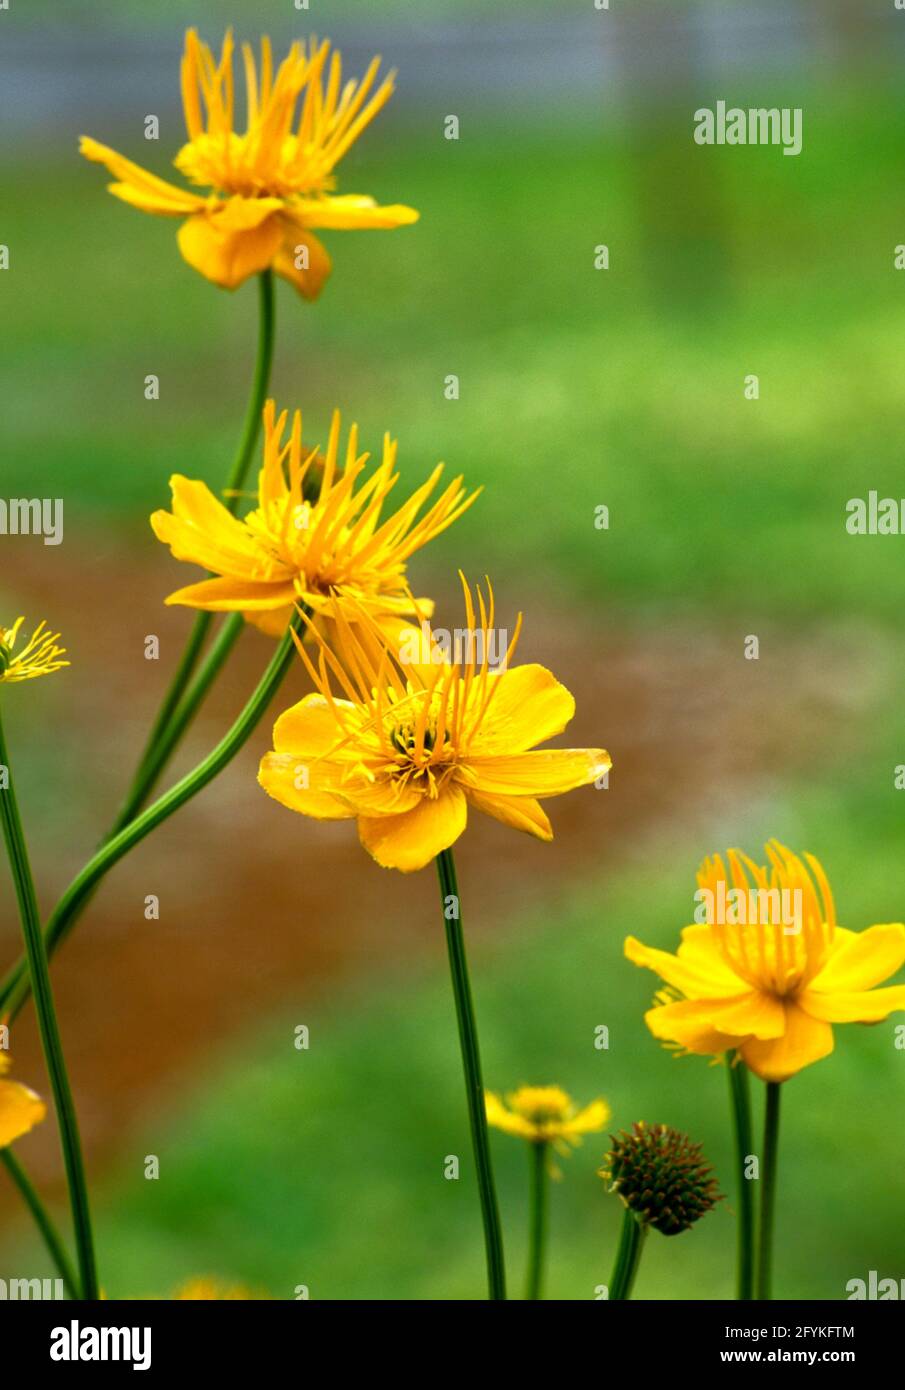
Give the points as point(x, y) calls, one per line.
point(240, 164)
point(404, 739)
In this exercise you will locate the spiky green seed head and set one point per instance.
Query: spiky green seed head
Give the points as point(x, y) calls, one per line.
point(661, 1176)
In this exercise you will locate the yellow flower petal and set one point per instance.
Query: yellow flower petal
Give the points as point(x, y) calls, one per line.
point(411, 840)
point(860, 960)
point(519, 812)
point(309, 790)
point(228, 595)
point(138, 186)
point(687, 1023)
point(20, 1110)
point(700, 948)
point(543, 772)
point(309, 727)
point(243, 214)
point(351, 211)
point(590, 1120)
point(229, 257)
point(272, 621)
point(690, 975)
point(857, 1006)
point(528, 706)
point(501, 1118)
point(308, 280)
point(202, 531)
point(755, 1013)
point(805, 1040)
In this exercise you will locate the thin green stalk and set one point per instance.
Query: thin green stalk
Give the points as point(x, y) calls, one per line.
point(155, 762)
point(740, 1098)
point(142, 783)
point(474, 1085)
point(538, 1236)
point(15, 989)
point(49, 1233)
point(628, 1257)
point(49, 1030)
point(768, 1192)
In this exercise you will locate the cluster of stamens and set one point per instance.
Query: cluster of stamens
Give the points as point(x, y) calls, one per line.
point(769, 952)
point(277, 156)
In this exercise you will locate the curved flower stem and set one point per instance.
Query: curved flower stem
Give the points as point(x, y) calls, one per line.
point(142, 782)
point(474, 1085)
point(768, 1192)
point(49, 1232)
point(740, 1098)
point(538, 1240)
point(15, 988)
point(49, 1030)
point(628, 1257)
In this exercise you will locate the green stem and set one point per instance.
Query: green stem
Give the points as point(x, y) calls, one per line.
point(740, 1098)
point(144, 778)
point(474, 1085)
point(49, 1030)
point(49, 1232)
point(768, 1192)
point(628, 1257)
point(15, 988)
point(538, 1236)
point(259, 388)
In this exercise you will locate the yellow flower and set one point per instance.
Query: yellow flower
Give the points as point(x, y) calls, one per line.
point(271, 185)
point(416, 742)
point(205, 1289)
point(20, 1108)
point(770, 971)
point(545, 1115)
point(295, 549)
point(39, 657)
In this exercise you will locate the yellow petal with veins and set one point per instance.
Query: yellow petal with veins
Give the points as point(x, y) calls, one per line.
point(519, 812)
point(409, 841)
point(310, 727)
point(227, 595)
point(527, 705)
point(295, 784)
point(541, 772)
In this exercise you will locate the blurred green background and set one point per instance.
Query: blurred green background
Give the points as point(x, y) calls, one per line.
point(579, 387)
